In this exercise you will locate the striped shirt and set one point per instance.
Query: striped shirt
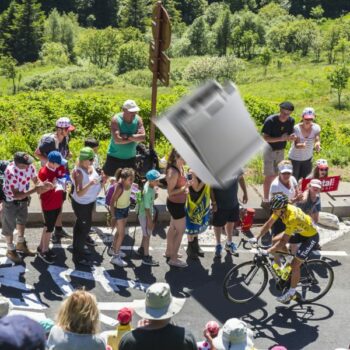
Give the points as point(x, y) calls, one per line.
point(306, 153)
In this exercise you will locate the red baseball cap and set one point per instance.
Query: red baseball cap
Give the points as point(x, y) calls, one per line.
point(125, 315)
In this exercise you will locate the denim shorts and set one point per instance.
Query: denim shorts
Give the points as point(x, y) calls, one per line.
point(121, 213)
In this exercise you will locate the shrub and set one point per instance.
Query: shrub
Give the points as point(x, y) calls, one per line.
point(54, 53)
point(132, 55)
point(137, 77)
point(219, 68)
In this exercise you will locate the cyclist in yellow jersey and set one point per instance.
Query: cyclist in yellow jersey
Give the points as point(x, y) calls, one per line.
point(299, 229)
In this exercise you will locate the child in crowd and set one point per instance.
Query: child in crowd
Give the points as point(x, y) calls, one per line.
point(145, 215)
point(124, 318)
point(211, 331)
point(120, 203)
point(94, 144)
point(51, 201)
point(311, 202)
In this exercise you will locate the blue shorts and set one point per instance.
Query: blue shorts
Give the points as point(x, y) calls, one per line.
point(121, 213)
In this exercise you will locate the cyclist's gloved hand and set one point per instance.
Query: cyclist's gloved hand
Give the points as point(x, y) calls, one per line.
point(253, 240)
point(264, 252)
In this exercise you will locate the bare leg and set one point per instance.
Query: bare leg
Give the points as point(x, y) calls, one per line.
point(58, 222)
point(118, 238)
point(229, 230)
point(170, 238)
point(145, 244)
point(217, 231)
point(267, 184)
point(295, 273)
point(180, 226)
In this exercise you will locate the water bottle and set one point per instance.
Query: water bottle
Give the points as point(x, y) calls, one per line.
point(277, 269)
point(287, 269)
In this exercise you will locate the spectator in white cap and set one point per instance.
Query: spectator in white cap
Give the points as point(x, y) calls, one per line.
point(126, 131)
point(234, 335)
point(311, 202)
point(307, 140)
point(56, 141)
point(287, 184)
point(155, 330)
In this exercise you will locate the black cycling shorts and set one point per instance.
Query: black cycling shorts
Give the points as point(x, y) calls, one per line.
point(222, 216)
point(307, 244)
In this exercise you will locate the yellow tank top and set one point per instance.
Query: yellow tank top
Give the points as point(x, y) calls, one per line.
point(124, 200)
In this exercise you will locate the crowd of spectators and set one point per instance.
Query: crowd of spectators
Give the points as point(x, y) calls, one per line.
point(189, 203)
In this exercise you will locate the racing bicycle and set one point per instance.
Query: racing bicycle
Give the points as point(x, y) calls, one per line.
point(246, 281)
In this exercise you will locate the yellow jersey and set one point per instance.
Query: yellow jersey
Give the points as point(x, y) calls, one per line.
point(296, 221)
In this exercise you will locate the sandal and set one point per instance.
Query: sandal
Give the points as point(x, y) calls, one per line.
point(177, 263)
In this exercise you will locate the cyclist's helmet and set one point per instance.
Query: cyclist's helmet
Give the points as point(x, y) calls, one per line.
point(279, 201)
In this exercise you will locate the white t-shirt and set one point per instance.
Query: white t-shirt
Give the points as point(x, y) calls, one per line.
point(307, 152)
point(17, 179)
point(278, 187)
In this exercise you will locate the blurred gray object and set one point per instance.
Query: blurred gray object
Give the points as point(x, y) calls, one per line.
point(213, 132)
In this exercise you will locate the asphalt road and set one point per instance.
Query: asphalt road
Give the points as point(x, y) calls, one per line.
point(320, 326)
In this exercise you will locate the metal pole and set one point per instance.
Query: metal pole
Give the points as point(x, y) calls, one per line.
point(157, 23)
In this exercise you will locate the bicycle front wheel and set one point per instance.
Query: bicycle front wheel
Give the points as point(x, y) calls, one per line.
point(316, 279)
point(245, 282)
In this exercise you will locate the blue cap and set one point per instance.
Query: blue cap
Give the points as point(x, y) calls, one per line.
point(56, 157)
point(18, 332)
point(153, 175)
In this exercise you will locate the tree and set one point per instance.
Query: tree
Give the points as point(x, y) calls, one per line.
point(191, 9)
point(134, 13)
point(197, 36)
point(8, 68)
point(265, 58)
point(62, 29)
point(214, 12)
point(317, 12)
point(100, 46)
point(339, 79)
point(343, 47)
point(28, 31)
point(331, 40)
point(7, 29)
point(248, 33)
point(223, 33)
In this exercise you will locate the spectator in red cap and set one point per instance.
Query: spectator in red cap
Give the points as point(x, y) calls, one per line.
point(211, 330)
point(124, 318)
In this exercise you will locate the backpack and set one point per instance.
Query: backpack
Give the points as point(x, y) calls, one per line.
point(3, 166)
point(146, 159)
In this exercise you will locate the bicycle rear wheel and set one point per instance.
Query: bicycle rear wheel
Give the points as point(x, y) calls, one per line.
point(316, 279)
point(245, 282)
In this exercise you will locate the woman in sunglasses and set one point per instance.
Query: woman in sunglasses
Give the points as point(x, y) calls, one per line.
point(320, 170)
point(308, 140)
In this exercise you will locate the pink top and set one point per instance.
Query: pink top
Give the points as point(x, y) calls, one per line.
point(181, 181)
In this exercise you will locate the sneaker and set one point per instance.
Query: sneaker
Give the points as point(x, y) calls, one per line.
point(231, 248)
point(55, 239)
point(218, 250)
point(61, 233)
point(50, 252)
point(140, 251)
point(90, 241)
point(23, 248)
point(46, 257)
point(117, 260)
point(286, 297)
point(13, 256)
point(148, 260)
point(83, 262)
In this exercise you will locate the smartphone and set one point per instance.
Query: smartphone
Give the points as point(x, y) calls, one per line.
point(189, 176)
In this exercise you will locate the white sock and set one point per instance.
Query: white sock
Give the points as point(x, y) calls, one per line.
point(291, 291)
point(228, 242)
point(20, 239)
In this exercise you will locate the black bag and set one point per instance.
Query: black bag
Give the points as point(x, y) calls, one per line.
point(3, 166)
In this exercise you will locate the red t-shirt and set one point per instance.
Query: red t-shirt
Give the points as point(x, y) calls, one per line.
point(52, 199)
